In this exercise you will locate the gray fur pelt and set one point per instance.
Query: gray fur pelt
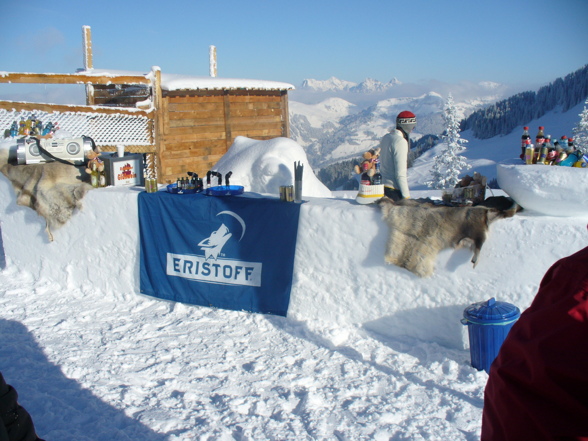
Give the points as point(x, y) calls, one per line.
point(54, 190)
point(418, 231)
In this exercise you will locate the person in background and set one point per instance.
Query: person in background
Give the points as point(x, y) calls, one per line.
point(538, 384)
point(15, 422)
point(394, 157)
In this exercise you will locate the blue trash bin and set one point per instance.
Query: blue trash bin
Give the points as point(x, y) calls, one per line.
point(488, 325)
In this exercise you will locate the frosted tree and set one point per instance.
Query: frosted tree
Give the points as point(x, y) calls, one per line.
point(449, 164)
point(581, 130)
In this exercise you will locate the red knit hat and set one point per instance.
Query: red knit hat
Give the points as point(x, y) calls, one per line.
point(406, 117)
point(406, 121)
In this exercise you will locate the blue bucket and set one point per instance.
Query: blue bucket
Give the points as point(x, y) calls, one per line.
point(488, 325)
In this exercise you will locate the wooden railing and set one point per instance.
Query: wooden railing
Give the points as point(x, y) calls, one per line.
point(106, 114)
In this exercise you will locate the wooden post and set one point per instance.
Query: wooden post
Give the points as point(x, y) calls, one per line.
point(285, 114)
point(159, 120)
point(88, 61)
point(227, 110)
point(212, 61)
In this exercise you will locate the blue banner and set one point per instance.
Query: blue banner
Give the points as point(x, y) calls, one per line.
point(232, 252)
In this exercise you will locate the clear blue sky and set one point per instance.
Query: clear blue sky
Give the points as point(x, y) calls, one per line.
point(517, 42)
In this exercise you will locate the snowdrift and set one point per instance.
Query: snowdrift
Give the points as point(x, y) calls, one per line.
point(533, 185)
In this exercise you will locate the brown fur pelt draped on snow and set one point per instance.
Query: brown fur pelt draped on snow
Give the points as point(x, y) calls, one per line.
point(419, 230)
point(54, 190)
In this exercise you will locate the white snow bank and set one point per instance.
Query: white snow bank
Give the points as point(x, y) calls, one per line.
point(555, 191)
point(339, 275)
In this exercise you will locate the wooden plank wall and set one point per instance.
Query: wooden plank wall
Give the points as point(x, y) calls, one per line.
point(199, 126)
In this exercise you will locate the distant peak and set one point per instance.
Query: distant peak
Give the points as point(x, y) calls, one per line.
point(334, 84)
point(491, 85)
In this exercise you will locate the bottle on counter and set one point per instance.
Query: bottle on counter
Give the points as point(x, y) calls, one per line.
point(526, 139)
point(551, 154)
point(102, 179)
point(539, 141)
point(544, 151)
point(582, 161)
point(540, 138)
point(561, 157)
point(365, 177)
point(571, 147)
point(94, 176)
point(529, 154)
point(377, 177)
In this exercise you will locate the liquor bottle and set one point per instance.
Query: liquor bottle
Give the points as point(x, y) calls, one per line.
point(526, 137)
point(529, 154)
point(571, 147)
point(539, 141)
point(543, 155)
point(94, 176)
point(540, 138)
point(377, 177)
point(526, 150)
point(550, 151)
point(365, 177)
point(560, 157)
point(581, 162)
point(102, 179)
point(564, 142)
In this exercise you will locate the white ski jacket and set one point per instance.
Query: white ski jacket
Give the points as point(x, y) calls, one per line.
point(394, 161)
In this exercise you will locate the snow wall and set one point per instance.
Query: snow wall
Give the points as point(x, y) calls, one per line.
point(339, 275)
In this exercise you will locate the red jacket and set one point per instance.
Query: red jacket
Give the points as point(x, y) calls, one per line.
point(538, 385)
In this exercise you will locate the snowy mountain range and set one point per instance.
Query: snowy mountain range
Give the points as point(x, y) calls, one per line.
point(335, 119)
point(333, 84)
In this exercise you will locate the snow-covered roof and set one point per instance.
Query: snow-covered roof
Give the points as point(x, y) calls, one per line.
point(188, 82)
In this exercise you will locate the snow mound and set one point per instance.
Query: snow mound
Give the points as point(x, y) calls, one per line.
point(264, 166)
point(554, 191)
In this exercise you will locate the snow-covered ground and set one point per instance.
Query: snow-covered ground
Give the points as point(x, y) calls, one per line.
point(367, 352)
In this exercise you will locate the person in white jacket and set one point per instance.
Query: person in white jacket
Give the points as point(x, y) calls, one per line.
point(394, 157)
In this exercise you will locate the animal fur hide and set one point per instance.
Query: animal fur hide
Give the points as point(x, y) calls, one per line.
point(418, 231)
point(54, 190)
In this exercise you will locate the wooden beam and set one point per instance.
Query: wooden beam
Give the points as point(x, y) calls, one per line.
point(62, 108)
point(78, 78)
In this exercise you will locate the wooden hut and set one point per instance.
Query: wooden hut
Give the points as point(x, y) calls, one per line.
point(199, 119)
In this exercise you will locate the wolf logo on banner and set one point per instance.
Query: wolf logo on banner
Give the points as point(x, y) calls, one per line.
point(213, 245)
point(221, 270)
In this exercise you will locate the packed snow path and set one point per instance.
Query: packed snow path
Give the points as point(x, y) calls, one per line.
point(89, 366)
